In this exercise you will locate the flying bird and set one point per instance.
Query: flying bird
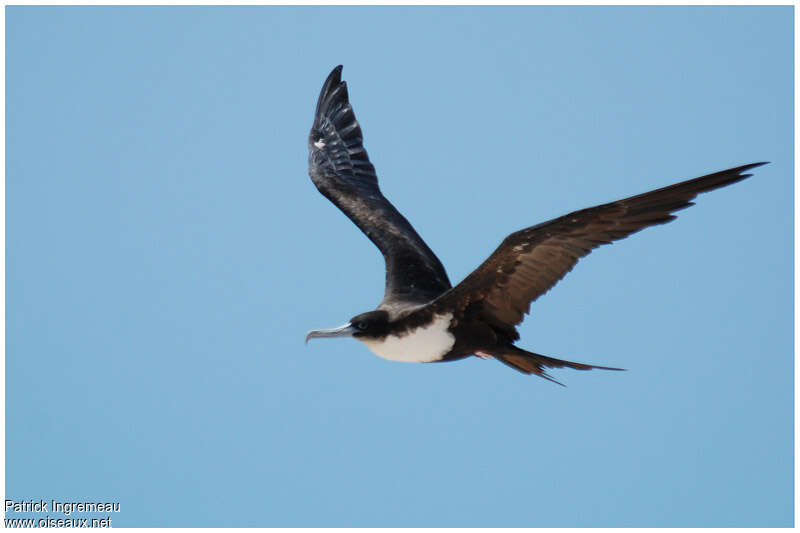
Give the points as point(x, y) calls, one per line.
point(422, 318)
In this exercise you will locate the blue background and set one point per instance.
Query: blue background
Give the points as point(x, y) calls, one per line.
point(166, 254)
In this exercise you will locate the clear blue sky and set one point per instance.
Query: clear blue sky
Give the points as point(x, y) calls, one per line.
point(167, 252)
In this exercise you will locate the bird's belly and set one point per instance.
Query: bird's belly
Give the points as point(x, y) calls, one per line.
point(421, 345)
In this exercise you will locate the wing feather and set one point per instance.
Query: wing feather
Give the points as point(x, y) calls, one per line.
point(341, 170)
point(531, 261)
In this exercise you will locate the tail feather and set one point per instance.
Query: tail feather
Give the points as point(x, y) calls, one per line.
point(534, 363)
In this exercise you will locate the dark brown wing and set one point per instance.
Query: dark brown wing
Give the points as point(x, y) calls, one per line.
point(529, 262)
point(339, 167)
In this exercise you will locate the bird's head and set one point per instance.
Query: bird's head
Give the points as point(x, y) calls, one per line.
point(369, 325)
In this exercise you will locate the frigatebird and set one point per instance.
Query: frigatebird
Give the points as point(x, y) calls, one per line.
point(422, 318)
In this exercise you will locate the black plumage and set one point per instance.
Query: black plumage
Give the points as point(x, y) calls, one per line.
point(485, 308)
point(340, 168)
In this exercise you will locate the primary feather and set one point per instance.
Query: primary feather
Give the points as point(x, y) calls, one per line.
point(341, 170)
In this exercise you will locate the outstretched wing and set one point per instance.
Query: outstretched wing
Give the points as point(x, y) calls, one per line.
point(529, 262)
point(339, 167)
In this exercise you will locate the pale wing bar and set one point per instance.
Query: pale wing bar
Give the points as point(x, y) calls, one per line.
point(531, 261)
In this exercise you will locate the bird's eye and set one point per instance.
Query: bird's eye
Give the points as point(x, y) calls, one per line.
point(361, 325)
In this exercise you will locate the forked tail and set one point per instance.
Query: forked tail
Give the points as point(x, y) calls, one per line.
point(534, 363)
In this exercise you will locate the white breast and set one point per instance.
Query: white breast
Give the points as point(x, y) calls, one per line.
point(421, 345)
